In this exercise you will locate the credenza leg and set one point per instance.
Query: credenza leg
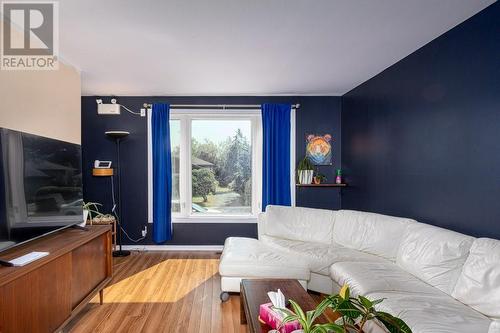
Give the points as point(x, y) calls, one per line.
point(101, 296)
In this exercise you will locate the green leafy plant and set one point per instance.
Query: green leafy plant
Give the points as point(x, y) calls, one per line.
point(354, 313)
point(305, 164)
point(92, 208)
point(318, 177)
point(307, 319)
point(321, 177)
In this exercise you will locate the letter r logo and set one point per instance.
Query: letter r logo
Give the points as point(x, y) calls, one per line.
point(28, 28)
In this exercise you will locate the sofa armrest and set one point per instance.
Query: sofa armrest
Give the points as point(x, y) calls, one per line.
point(261, 225)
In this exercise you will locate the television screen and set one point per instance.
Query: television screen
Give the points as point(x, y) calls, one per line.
point(40, 186)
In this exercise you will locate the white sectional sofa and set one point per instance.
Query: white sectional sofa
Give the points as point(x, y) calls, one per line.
point(435, 279)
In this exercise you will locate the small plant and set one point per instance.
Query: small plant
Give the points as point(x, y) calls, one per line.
point(305, 171)
point(305, 164)
point(307, 319)
point(92, 208)
point(318, 177)
point(357, 311)
point(321, 177)
point(354, 313)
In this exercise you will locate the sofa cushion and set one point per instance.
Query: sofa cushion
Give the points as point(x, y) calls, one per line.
point(479, 283)
point(320, 256)
point(298, 223)
point(248, 257)
point(369, 232)
point(367, 277)
point(434, 255)
point(432, 313)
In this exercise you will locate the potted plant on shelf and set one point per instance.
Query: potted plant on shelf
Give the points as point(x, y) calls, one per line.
point(354, 313)
point(305, 171)
point(90, 208)
point(318, 177)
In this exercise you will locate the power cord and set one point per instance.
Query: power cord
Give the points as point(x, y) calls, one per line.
point(113, 210)
point(127, 109)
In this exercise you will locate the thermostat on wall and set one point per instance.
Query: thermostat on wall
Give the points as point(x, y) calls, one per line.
point(102, 164)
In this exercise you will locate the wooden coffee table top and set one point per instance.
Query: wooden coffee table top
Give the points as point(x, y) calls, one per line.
point(254, 293)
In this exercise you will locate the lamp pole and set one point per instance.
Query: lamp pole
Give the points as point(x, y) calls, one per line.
point(118, 136)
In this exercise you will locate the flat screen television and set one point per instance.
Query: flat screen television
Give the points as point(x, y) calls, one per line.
point(40, 186)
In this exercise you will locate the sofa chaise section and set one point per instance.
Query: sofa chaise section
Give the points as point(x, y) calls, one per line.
point(250, 258)
point(435, 279)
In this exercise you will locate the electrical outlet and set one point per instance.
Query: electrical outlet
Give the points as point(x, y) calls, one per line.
point(144, 231)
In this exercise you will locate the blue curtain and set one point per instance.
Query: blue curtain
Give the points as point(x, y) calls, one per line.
point(162, 173)
point(276, 157)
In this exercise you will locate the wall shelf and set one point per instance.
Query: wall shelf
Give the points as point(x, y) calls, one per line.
point(103, 172)
point(321, 185)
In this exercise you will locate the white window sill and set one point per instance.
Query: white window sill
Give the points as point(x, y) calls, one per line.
point(215, 219)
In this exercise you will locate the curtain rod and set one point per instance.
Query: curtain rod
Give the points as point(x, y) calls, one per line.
point(216, 106)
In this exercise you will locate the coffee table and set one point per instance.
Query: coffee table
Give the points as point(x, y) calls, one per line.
point(253, 293)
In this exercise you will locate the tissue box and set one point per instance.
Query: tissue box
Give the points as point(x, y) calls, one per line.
point(273, 319)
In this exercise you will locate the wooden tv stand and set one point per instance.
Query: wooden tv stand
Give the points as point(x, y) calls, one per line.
point(45, 295)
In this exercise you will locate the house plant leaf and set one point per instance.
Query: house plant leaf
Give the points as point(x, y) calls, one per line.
point(366, 302)
point(327, 328)
point(393, 324)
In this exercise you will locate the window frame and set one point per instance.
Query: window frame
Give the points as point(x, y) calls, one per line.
point(186, 117)
point(256, 163)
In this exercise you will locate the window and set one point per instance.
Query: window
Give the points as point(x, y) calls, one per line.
point(221, 166)
point(216, 165)
point(175, 141)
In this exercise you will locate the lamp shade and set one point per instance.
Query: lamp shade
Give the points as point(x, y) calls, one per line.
point(117, 134)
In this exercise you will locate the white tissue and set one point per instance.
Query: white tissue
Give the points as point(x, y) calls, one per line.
point(277, 298)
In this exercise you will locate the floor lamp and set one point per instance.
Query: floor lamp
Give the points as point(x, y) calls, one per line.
point(118, 136)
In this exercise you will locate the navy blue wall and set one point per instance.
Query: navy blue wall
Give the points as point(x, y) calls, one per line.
point(320, 115)
point(422, 139)
point(316, 115)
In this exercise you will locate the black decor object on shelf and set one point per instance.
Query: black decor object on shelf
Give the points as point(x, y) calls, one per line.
point(118, 136)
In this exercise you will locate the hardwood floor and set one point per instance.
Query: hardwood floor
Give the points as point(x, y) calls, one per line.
point(162, 292)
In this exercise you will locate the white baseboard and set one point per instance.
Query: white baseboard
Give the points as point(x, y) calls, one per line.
point(173, 247)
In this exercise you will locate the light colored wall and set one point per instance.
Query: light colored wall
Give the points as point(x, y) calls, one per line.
point(45, 103)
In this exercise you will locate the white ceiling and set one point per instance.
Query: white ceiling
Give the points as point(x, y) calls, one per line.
point(243, 47)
